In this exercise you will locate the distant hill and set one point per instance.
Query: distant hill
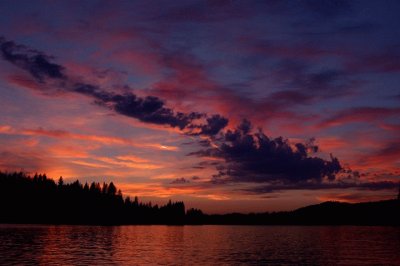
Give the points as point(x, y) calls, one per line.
point(327, 213)
point(39, 200)
point(338, 213)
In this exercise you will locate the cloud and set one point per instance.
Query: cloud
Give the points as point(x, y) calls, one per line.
point(371, 186)
point(290, 97)
point(257, 158)
point(181, 180)
point(243, 156)
point(313, 84)
point(355, 197)
point(213, 126)
point(62, 134)
point(36, 63)
point(380, 62)
point(388, 155)
point(360, 114)
point(149, 109)
point(22, 160)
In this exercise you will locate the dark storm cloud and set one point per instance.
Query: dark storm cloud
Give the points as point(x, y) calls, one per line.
point(36, 63)
point(213, 126)
point(152, 110)
point(149, 109)
point(258, 158)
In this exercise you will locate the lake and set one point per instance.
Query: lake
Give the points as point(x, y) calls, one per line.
point(199, 245)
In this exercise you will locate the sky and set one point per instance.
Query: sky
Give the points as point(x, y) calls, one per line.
point(230, 106)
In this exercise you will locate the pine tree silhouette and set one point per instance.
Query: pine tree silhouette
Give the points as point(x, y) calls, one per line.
point(37, 199)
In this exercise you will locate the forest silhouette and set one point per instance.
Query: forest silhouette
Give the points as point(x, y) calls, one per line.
point(40, 200)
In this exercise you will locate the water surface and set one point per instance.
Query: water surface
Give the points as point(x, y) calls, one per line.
point(198, 245)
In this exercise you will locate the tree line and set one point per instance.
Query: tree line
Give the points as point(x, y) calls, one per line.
point(40, 200)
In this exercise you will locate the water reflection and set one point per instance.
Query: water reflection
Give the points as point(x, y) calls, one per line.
point(204, 245)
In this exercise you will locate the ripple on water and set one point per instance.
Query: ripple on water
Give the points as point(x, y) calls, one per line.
point(198, 245)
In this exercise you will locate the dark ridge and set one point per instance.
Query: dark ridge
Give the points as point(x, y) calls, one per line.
point(39, 200)
point(385, 212)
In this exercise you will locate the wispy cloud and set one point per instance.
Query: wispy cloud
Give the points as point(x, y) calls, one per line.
point(104, 140)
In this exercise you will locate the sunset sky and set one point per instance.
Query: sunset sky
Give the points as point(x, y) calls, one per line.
point(227, 105)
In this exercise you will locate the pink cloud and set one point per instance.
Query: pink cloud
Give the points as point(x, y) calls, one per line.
point(360, 114)
point(104, 140)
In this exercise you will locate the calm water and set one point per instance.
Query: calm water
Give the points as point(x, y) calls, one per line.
point(198, 245)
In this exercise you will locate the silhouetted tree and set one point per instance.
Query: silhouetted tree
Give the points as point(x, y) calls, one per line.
point(104, 189)
point(60, 181)
point(194, 216)
point(112, 190)
point(136, 202)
